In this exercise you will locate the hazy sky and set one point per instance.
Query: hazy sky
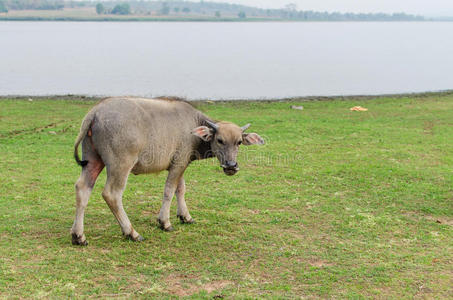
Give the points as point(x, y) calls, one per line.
point(423, 7)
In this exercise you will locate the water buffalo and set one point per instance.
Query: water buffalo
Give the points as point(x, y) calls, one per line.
point(139, 135)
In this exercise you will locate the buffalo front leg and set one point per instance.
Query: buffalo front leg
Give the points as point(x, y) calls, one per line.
point(183, 212)
point(113, 195)
point(174, 175)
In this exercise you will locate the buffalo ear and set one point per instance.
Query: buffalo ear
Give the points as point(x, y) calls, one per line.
point(252, 139)
point(203, 133)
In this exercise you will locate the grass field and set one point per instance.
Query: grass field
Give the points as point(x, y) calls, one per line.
point(337, 204)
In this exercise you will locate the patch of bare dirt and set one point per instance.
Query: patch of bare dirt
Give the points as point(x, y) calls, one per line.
point(440, 220)
point(105, 251)
point(436, 219)
point(146, 213)
point(31, 130)
point(186, 285)
point(215, 285)
point(428, 127)
point(37, 234)
point(319, 263)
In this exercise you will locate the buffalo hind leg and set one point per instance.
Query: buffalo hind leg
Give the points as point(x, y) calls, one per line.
point(113, 195)
point(182, 213)
point(174, 176)
point(83, 187)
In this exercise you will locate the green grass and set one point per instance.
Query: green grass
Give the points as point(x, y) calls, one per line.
point(338, 204)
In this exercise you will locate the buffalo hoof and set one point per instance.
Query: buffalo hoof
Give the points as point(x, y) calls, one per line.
point(184, 221)
point(162, 226)
point(139, 238)
point(167, 229)
point(79, 240)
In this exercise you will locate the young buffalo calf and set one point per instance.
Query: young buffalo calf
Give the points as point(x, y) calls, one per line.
point(148, 136)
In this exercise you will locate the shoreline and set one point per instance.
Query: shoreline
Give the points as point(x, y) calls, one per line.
point(289, 99)
point(207, 20)
point(132, 18)
point(135, 19)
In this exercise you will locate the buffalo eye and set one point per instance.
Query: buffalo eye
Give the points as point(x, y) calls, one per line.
point(239, 143)
point(220, 141)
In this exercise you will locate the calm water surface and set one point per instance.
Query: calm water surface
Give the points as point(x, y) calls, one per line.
point(224, 60)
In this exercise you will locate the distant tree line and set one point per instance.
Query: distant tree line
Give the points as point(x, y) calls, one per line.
point(201, 8)
point(336, 16)
point(3, 8)
point(119, 9)
point(34, 4)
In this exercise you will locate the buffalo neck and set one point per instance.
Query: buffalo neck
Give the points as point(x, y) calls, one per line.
point(203, 149)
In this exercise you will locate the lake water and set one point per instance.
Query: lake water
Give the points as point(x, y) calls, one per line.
point(224, 60)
